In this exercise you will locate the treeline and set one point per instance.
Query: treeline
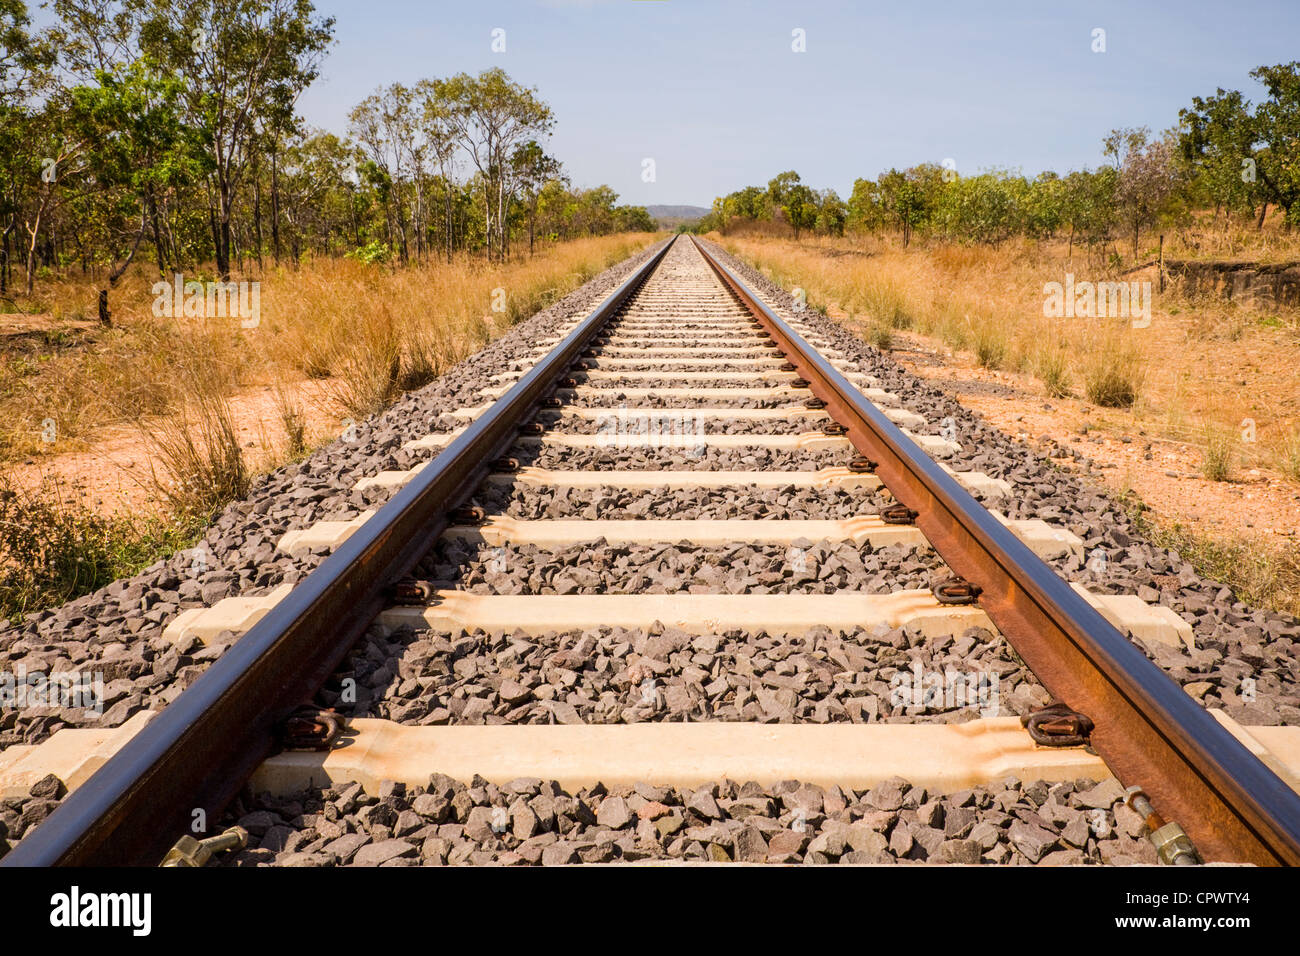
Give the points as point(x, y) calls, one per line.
point(1225, 155)
point(154, 130)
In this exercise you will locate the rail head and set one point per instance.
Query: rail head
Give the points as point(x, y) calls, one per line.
point(1149, 731)
point(198, 752)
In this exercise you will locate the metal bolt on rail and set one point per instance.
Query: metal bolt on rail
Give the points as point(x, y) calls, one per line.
point(1059, 725)
point(1173, 846)
point(189, 852)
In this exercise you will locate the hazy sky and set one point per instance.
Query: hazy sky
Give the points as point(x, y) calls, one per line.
point(714, 94)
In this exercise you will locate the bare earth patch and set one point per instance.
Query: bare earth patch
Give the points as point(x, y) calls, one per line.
point(1164, 473)
point(112, 474)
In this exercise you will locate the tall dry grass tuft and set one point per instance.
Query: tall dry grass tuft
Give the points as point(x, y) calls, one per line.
point(197, 465)
point(1217, 461)
point(1049, 361)
point(294, 423)
point(1112, 372)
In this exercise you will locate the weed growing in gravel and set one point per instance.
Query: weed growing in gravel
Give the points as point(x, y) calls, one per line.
point(1259, 573)
point(880, 335)
point(294, 424)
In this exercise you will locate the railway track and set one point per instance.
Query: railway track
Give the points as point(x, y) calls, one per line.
point(686, 543)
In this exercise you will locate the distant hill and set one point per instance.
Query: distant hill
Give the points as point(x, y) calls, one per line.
point(676, 215)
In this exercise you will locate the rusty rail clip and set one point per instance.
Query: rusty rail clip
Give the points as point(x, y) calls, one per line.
point(862, 466)
point(409, 592)
point(1057, 725)
point(814, 403)
point(834, 428)
point(898, 514)
point(798, 383)
point(467, 514)
point(508, 465)
point(956, 591)
point(310, 728)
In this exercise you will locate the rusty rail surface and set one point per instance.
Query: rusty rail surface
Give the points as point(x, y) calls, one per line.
point(1148, 730)
point(199, 751)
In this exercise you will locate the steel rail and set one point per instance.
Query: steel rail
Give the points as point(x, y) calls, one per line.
point(1149, 731)
point(198, 752)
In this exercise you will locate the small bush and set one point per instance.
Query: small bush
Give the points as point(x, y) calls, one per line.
point(54, 549)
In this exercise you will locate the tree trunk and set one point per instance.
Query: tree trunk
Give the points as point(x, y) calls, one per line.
point(223, 221)
point(152, 208)
point(1263, 211)
point(257, 214)
point(449, 223)
point(275, 205)
point(35, 232)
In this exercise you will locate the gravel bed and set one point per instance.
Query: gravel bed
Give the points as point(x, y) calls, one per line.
point(1247, 659)
point(616, 397)
point(594, 567)
point(611, 503)
point(668, 381)
point(117, 631)
point(637, 421)
point(533, 822)
point(678, 459)
point(20, 815)
point(615, 675)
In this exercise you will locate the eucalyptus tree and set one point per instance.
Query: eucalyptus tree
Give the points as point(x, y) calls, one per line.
point(243, 64)
point(532, 169)
point(490, 115)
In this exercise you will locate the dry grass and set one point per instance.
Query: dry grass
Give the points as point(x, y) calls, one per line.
point(373, 331)
point(198, 465)
point(1198, 362)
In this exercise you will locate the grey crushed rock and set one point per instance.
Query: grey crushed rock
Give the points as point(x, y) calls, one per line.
point(1007, 823)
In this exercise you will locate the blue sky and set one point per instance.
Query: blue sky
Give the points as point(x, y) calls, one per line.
point(713, 92)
